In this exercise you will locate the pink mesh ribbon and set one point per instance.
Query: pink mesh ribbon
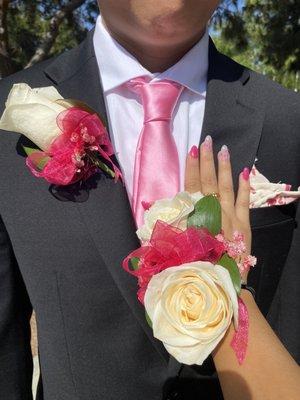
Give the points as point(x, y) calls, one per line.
point(170, 247)
point(239, 341)
point(69, 158)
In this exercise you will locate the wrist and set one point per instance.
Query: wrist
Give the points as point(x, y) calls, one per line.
point(246, 296)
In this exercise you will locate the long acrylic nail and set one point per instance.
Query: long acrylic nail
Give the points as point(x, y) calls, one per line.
point(207, 144)
point(194, 152)
point(246, 174)
point(224, 153)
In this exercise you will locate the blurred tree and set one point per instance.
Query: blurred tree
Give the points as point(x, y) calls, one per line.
point(6, 66)
point(264, 35)
point(33, 30)
point(261, 34)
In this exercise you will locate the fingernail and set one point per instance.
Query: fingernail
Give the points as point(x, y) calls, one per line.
point(224, 153)
point(246, 174)
point(207, 144)
point(194, 152)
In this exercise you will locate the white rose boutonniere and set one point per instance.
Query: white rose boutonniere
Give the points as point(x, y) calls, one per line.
point(72, 141)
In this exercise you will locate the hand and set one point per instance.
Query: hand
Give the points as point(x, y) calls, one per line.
point(201, 176)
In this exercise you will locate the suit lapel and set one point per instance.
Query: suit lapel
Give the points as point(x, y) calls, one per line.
point(76, 75)
point(106, 213)
point(231, 116)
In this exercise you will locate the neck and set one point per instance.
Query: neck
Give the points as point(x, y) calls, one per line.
point(152, 57)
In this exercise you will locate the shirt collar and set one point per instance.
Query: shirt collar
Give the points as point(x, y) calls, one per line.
point(118, 66)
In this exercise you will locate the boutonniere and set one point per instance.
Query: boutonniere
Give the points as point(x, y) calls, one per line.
point(72, 141)
point(190, 277)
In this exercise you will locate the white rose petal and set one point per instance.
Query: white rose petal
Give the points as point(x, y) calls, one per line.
point(191, 308)
point(196, 197)
point(33, 113)
point(173, 211)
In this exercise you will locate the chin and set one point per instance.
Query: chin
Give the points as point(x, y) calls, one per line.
point(166, 21)
point(162, 16)
point(169, 33)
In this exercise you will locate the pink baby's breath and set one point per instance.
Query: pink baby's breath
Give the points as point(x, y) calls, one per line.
point(245, 264)
point(234, 248)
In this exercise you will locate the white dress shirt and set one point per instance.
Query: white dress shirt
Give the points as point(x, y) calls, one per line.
point(124, 108)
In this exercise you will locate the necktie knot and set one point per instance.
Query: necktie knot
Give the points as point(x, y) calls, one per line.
point(159, 98)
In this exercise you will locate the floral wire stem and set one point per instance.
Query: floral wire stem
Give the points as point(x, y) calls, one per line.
point(100, 164)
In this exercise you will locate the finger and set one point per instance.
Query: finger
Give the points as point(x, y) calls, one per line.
point(192, 173)
point(225, 182)
point(227, 225)
point(243, 199)
point(208, 175)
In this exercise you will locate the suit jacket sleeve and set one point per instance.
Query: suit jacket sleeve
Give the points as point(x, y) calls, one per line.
point(15, 311)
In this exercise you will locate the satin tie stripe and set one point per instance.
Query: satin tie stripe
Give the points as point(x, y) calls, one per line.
point(156, 169)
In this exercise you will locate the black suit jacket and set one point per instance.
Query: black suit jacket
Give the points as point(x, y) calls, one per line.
point(61, 250)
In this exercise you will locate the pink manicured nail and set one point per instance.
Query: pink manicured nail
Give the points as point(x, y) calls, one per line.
point(246, 174)
point(194, 152)
point(207, 144)
point(224, 153)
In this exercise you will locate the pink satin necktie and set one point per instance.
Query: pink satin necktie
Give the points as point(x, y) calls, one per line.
point(156, 169)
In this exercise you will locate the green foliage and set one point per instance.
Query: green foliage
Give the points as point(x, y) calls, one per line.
point(42, 162)
point(148, 320)
point(231, 266)
point(29, 150)
point(134, 263)
point(207, 214)
point(28, 22)
point(263, 35)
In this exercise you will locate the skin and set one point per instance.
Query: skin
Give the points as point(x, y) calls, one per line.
point(157, 32)
point(268, 372)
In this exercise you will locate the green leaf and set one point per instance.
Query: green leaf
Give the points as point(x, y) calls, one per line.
point(231, 266)
point(207, 214)
point(42, 163)
point(134, 263)
point(148, 320)
point(29, 150)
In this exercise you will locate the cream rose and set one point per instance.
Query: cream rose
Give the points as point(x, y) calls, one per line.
point(173, 211)
point(33, 112)
point(191, 308)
